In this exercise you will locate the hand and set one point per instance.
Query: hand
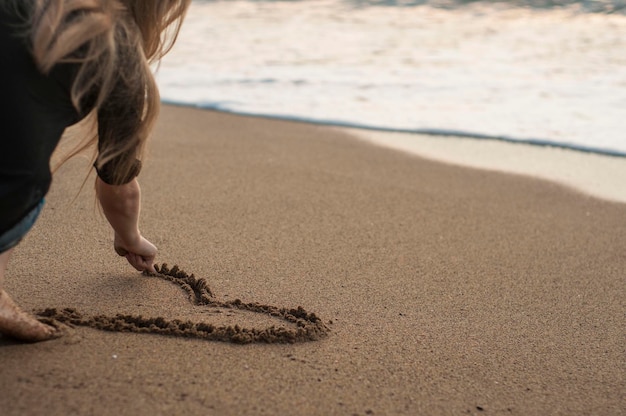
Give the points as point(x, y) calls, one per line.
point(139, 254)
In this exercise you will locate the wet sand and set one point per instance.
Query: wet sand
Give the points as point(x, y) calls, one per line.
point(446, 290)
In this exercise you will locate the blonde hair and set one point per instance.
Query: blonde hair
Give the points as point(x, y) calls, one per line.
point(113, 43)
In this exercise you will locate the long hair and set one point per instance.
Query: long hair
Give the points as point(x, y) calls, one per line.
point(112, 43)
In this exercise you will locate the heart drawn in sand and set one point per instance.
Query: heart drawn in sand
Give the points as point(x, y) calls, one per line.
point(308, 327)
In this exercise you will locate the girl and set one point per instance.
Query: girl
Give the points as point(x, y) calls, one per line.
point(63, 61)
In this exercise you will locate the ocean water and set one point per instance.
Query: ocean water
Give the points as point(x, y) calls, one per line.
point(516, 70)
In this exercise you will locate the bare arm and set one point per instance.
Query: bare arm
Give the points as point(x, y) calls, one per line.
point(121, 205)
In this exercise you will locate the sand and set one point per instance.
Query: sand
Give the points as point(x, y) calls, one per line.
point(590, 173)
point(445, 289)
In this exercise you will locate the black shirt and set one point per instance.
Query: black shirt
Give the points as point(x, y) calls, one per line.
point(35, 109)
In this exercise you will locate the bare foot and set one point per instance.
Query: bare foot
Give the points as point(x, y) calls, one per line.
point(16, 323)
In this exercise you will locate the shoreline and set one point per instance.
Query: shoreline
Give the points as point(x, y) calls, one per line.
point(594, 172)
point(590, 173)
point(429, 132)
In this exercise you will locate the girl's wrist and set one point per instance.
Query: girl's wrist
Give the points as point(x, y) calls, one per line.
point(128, 239)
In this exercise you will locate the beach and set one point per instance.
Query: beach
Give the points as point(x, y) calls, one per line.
point(444, 289)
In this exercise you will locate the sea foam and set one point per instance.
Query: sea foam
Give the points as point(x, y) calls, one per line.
point(543, 76)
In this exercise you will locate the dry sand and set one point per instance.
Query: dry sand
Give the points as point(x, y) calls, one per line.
point(450, 290)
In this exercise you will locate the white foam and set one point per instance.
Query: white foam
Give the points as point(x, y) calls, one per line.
point(553, 74)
